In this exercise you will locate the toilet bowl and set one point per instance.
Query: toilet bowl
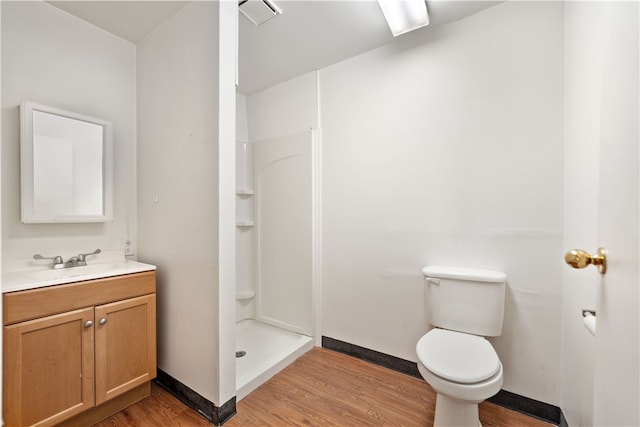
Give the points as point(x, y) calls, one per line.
point(463, 370)
point(464, 305)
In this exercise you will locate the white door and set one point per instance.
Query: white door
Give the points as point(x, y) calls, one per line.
point(616, 399)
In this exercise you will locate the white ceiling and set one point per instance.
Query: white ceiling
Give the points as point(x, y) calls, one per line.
point(130, 20)
point(309, 35)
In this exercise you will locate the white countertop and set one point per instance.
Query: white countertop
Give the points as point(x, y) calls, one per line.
point(23, 275)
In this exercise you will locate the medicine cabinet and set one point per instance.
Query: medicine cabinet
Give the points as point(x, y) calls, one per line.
point(66, 166)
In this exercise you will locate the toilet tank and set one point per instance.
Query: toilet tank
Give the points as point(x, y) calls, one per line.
point(465, 299)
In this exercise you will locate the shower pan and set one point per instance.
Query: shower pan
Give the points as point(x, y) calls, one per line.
point(274, 262)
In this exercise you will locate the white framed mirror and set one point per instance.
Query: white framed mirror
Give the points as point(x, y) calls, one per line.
point(66, 164)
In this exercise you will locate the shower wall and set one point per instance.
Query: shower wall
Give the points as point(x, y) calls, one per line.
point(245, 229)
point(275, 205)
point(283, 209)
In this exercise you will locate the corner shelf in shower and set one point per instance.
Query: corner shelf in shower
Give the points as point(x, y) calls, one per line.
point(243, 295)
point(245, 194)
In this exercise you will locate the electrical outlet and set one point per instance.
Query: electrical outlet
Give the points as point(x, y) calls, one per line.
point(128, 248)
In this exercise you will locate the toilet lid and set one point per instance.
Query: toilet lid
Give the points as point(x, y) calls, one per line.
point(458, 357)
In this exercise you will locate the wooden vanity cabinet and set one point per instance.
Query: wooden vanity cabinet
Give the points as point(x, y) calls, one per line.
point(48, 368)
point(76, 353)
point(125, 343)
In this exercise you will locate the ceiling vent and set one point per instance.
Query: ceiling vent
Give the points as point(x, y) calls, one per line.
point(259, 11)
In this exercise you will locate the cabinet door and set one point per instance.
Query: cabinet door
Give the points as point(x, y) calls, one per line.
point(48, 369)
point(125, 336)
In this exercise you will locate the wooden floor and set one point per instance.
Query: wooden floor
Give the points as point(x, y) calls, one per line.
point(322, 388)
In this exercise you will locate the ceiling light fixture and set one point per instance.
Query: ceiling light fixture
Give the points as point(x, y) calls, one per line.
point(404, 15)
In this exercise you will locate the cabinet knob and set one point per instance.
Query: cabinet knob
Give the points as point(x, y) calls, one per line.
point(88, 324)
point(103, 321)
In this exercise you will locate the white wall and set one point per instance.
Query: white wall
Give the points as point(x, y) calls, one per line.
point(54, 58)
point(178, 145)
point(242, 128)
point(445, 148)
point(226, 118)
point(284, 109)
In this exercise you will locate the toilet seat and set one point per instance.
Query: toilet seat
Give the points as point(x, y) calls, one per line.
point(458, 357)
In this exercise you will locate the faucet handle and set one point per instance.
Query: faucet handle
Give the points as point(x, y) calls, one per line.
point(57, 260)
point(81, 257)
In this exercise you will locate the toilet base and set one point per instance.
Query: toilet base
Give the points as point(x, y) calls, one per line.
point(452, 412)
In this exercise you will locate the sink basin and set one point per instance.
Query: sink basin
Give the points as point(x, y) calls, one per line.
point(73, 272)
point(30, 278)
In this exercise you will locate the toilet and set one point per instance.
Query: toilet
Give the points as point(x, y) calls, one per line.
point(464, 305)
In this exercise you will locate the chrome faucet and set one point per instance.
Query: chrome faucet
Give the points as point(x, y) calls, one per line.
point(73, 262)
point(82, 257)
point(57, 260)
point(76, 261)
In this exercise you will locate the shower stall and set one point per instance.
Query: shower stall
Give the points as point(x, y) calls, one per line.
point(275, 255)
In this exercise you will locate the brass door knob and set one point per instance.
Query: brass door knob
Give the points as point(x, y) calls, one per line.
point(577, 258)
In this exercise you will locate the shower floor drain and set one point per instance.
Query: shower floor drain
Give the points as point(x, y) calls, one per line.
point(240, 353)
